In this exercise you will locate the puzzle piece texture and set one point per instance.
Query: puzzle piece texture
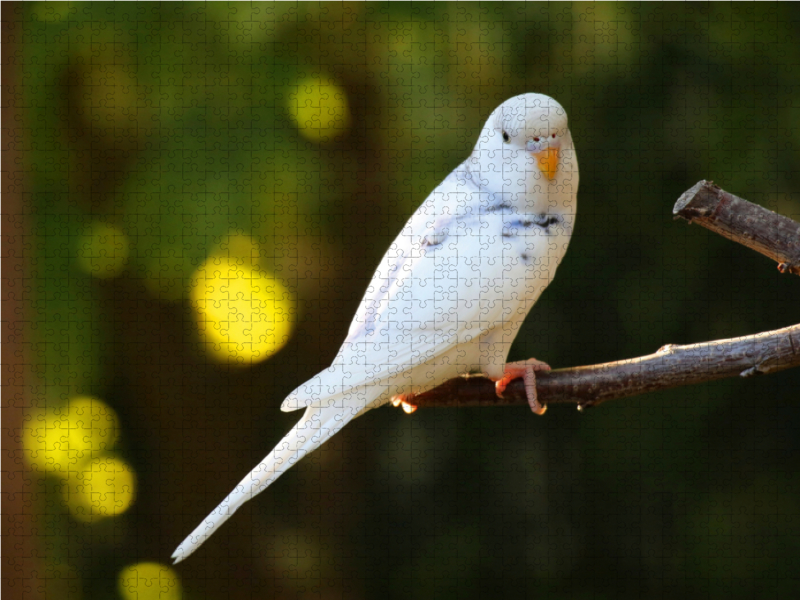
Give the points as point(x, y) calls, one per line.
point(206, 205)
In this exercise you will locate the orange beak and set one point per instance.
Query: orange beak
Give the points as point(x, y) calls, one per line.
point(548, 161)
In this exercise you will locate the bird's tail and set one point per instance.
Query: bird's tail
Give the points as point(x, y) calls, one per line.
point(317, 426)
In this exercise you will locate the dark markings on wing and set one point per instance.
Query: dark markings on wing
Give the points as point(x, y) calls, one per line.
point(497, 207)
point(544, 222)
point(435, 240)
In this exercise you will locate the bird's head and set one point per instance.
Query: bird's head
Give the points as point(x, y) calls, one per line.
point(531, 123)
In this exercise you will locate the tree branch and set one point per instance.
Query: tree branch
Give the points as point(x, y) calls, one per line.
point(749, 224)
point(773, 235)
point(672, 366)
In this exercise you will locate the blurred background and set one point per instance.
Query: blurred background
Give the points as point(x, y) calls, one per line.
point(208, 188)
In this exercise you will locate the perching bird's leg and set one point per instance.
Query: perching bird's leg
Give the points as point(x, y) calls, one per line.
point(404, 399)
point(527, 370)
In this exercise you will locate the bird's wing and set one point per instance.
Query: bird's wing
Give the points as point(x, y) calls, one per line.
point(447, 201)
point(462, 278)
point(458, 195)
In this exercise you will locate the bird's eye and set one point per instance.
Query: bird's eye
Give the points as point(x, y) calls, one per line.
point(554, 136)
point(535, 139)
point(505, 137)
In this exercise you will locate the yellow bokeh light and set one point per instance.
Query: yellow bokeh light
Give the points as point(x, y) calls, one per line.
point(320, 109)
point(59, 441)
point(149, 581)
point(105, 487)
point(102, 250)
point(244, 314)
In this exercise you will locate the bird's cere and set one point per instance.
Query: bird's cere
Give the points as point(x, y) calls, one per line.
point(451, 292)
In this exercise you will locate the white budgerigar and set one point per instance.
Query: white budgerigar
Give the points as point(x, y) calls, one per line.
point(450, 294)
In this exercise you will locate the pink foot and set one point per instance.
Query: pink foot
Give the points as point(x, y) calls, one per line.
point(404, 399)
point(527, 370)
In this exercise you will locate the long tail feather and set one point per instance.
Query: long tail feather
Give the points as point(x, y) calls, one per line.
point(316, 427)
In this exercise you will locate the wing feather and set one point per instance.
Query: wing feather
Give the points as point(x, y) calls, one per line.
point(467, 276)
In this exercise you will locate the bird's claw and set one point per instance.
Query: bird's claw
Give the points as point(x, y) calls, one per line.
point(403, 399)
point(527, 370)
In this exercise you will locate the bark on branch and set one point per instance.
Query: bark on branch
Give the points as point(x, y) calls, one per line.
point(773, 235)
point(672, 366)
point(749, 224)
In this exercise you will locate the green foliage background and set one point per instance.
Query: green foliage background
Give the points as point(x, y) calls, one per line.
point(171, 122)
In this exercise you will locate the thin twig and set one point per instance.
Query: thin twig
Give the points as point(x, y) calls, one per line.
point(773, 235)
point(749, 224)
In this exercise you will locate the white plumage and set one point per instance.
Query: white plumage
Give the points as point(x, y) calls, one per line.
point(450, 294)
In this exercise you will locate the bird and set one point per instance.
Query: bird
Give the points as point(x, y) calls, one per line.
point(450, 294)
